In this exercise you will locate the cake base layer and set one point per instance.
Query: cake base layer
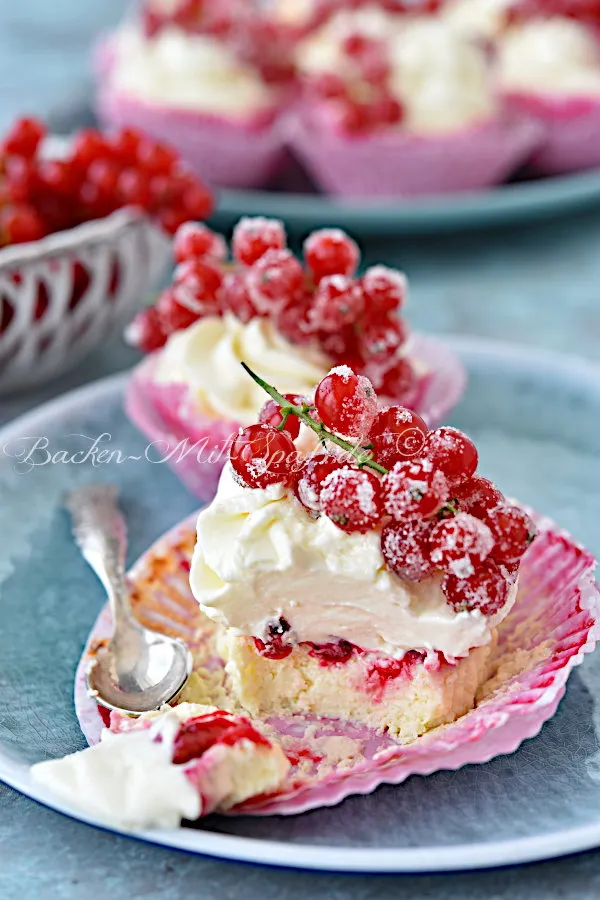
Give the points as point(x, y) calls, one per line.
point(404, 698)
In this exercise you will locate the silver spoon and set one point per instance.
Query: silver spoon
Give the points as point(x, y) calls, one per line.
point(139, 670)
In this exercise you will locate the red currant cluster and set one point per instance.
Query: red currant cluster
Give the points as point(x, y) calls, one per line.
point(100, 174)
point(254, 37)
point(360, 94)
point(352, 319)
point(323, 10)
point(360, 97)
point(586, 11)
point(419, 487)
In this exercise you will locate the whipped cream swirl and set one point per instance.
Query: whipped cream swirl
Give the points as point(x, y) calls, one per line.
point(260, 556)
point(550, 56)
point(206, 358)
point(189, 71)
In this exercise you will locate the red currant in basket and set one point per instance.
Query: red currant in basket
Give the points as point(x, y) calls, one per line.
point(20, 224)
point(274, 281)
point(485, 590)
point(337, 302)
point(414, 490)
point(477, 496)
point(405, 549)
point(88, 146)
point(384, 289)
point(272, 414)
point(195, 241)
point(459, 545)
point(146, 331)
point(24, 138)
point(346, 402)
point(397, 434)
point(451, 451)
point(512, 530)
point(260, 455)
point(133, 188)
point(309, 482)
point(330, 252)
point(252, 237)
point(351, 498)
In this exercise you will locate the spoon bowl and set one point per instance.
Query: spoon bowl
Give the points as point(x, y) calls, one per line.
point(139, 670)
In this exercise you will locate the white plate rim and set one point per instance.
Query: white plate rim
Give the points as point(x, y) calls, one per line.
point(293, 855)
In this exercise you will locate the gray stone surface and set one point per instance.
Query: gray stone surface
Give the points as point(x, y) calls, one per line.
point(534, 285)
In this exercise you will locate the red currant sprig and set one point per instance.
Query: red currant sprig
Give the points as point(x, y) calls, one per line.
point(362, 455)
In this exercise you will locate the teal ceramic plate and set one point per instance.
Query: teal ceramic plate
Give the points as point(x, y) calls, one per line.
point(519, 202)
point(535, 419)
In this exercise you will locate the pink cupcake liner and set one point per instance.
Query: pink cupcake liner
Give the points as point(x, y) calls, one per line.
point(571, 127)
point(195, 447)
point(554, 623)
point(224, 152)
point(403, 165)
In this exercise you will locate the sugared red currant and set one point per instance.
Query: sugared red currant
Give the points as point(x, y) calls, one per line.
point(252, 237)
point(351, 498)
point(405, 549)
point(485, 590)
point(272, 414)
point(337, 302)
point(177, 310)
point(512, 530)
point(235, 297)
point(260, 456)
point(146, 331)
point(414, 489)
point(477, 496)
point(310, 478)
point(397, 434)
point(274, 281)
point(195, 241)
point(201, 277)
point(380, 340)
point(330, 252)
point(397, 382)
point(346, 402)
point(460, 544)
point(453, 453)
point(384, 289)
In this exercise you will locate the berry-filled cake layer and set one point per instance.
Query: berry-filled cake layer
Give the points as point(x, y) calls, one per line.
point(364, 581)
point(160, 768)
point(403, 697)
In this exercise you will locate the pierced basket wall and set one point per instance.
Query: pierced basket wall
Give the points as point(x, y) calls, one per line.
point(59, 297)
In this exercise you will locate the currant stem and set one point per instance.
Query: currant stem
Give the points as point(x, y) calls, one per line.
point(360, 454)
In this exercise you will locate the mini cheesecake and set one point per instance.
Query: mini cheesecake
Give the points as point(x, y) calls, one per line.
point(367, 596)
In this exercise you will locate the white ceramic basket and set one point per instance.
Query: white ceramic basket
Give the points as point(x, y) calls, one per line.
point(59, 297)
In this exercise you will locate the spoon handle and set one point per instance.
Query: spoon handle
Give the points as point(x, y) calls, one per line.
point(101, 535)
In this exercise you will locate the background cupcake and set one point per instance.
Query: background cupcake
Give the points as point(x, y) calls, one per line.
point(400, 103)
point(211, 77)
point(549, 65)
point(290, 323)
